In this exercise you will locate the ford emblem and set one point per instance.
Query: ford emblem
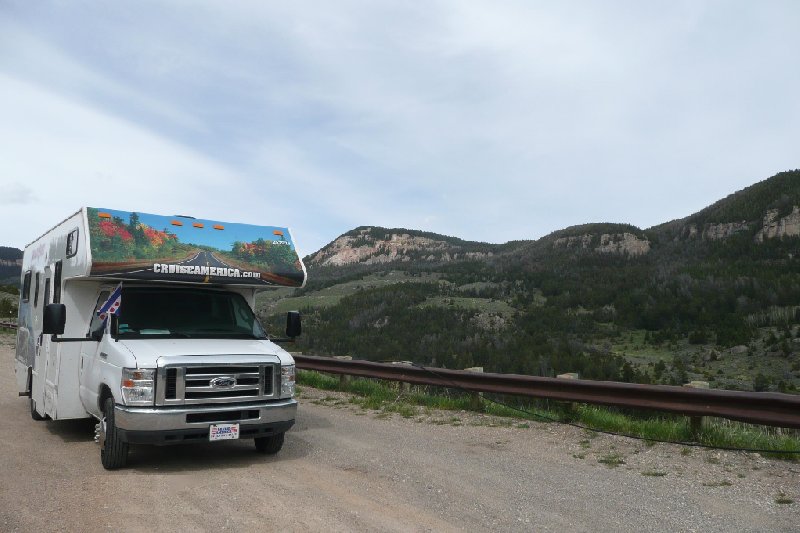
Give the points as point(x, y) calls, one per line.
point(224, 382)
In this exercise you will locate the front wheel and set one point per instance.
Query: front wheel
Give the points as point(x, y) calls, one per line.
point(269, 445)
point(113, 450)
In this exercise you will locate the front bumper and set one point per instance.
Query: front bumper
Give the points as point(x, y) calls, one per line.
point(172, 425)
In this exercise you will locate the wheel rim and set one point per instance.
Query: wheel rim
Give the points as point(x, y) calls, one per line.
point(103, 429)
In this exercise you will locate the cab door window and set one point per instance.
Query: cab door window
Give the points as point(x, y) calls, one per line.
point(97, 322)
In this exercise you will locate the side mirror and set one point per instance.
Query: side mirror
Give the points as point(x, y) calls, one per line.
point(54, 320)
point(293, 327)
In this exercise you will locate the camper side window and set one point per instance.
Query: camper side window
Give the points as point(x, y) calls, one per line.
point(26, 287)
point(96, 323)
point(46, 299)
point(72, 243)
point(36, 291)
point(57, 282)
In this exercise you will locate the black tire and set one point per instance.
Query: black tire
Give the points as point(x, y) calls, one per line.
point(269, 445)
point(34, 413)
point(114, 452)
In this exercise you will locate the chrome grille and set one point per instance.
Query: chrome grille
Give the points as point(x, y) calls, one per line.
point(184, 384)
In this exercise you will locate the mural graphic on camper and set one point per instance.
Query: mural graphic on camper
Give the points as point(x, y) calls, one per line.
point(144, 246)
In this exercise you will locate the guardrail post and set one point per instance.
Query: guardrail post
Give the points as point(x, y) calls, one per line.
point(475, 398)
point(344, 379)
point(572, 407)
point(403, 386)
point(696, 422)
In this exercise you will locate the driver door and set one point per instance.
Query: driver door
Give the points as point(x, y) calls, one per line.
point(91, 352)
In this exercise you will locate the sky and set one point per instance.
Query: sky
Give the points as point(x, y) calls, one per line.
point(486, 120)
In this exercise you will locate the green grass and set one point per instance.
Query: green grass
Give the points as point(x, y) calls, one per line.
point(612, 460)
point(484, 305)
point(389, 397)
point(279, 301)
point(654, 473)
point(723, 483)
point(725, 370)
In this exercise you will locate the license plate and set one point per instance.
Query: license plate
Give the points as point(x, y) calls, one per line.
point(223, 432)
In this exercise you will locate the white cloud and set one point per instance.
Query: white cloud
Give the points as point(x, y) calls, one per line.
point(70, 155)
point(486, 120)
point(15, 193)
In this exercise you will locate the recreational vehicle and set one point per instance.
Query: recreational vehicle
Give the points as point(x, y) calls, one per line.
point(146, 323)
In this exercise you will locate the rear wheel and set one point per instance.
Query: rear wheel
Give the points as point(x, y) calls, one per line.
point(269, 445)
point(113, 450)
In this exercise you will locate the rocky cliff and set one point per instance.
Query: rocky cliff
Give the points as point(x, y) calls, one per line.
point(714, 232)
point(607, 243)
point(775, 227)
point(380, 246)
point(772, 226)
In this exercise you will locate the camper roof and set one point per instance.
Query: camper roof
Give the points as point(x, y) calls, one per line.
point(137, 245)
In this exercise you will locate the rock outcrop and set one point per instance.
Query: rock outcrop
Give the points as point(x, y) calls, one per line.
point(774, 227)
point(610, 243)
point(573, 241)
point(714, 232)
point(363, 248)
point(626, 244)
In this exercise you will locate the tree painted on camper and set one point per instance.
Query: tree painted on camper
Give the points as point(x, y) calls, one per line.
point(274, 255)
point(114, 240)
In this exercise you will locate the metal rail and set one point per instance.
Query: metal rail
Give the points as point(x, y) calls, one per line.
point(767, 408)
point(8, 325)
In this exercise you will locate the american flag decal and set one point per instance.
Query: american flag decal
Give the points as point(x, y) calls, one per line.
point(112, 305)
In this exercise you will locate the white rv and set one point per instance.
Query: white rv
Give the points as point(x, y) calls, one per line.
point(180, 355)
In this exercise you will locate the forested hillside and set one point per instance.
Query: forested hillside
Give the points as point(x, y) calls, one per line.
point(714, 296)
point(10, 264)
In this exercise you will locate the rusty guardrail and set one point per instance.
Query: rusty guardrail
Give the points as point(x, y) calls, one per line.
point(767, 408)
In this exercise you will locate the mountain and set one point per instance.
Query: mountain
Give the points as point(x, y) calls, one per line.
point(766, 210)
point(10, 265)
point(372, 249)
point(714, 296)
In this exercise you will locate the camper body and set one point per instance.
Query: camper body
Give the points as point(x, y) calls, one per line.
point(184, 358)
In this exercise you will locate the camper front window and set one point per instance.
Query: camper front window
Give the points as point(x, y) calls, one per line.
point(185, 313)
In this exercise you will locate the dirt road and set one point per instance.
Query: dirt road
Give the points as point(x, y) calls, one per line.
point(344, 469)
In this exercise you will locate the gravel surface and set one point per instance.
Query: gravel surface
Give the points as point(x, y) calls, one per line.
point(346, 469)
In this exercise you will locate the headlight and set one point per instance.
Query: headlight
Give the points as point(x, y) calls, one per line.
point(138, 386)
point(287, 381)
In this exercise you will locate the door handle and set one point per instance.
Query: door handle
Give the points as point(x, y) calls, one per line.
point(103, 355)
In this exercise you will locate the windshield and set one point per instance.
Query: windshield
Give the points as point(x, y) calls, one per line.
point(186, 313)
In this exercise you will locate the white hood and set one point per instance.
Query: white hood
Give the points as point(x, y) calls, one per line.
point(147, 351)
